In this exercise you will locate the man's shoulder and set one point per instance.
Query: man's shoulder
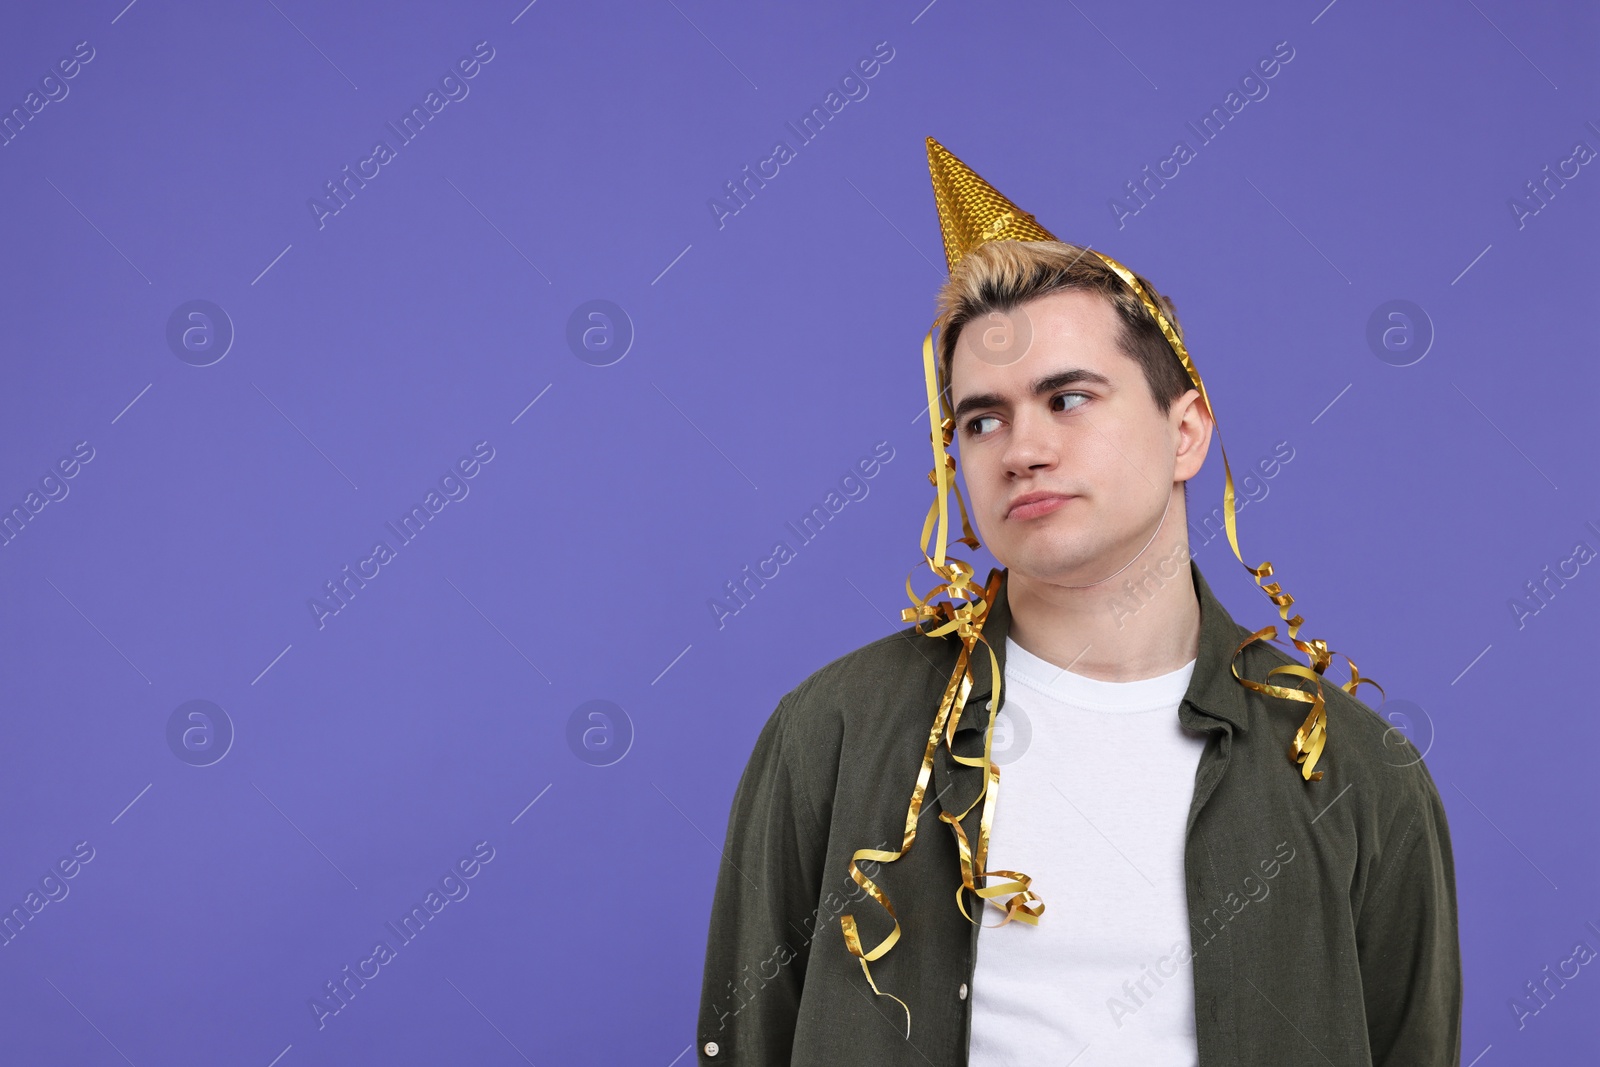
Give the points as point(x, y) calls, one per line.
point(876, 682)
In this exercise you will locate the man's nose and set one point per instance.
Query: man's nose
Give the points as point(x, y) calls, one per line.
point(1032, 444)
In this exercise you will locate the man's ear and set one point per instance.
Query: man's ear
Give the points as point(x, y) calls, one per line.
point(1194, 426)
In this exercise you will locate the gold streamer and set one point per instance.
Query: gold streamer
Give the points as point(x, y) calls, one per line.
point(964, 619)
point(1312, 736)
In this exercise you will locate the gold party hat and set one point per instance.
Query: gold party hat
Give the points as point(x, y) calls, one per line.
point(971, 211)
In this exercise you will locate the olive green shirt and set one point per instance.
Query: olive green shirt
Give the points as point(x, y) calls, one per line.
point(1322, 914)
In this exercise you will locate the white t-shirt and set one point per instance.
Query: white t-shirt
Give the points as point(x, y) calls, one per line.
point(1096, 781)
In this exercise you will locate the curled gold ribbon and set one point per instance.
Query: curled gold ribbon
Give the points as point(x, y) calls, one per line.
point(964, 616)
point(1312, 736)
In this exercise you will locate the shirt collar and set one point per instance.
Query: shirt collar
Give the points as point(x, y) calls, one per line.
point(1212, 688)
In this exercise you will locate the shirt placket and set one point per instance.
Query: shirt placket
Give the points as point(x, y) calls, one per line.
point(1216, 1040)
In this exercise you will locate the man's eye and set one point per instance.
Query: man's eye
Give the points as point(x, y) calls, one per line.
point(973, 427)
point(1063, 397)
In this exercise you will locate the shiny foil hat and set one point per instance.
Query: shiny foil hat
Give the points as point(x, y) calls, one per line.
point(971, 211)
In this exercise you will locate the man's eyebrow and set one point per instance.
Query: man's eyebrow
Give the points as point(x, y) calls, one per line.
point(1047, 384)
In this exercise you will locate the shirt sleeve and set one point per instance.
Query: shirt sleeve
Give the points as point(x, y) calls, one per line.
point(1407, 942)
point(764, 911)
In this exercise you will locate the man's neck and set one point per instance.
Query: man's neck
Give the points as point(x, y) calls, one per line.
point(1140, 624)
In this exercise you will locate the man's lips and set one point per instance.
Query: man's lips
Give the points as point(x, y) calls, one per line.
point(1032, 505)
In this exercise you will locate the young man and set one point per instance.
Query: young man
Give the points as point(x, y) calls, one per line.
point(1195, 892)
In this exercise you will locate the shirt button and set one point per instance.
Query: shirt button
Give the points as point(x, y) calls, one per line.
point(962, 992)
point(711, 1048)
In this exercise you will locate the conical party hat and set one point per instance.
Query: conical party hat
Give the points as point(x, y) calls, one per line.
point(971, 210)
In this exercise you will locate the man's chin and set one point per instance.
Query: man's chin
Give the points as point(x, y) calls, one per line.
point(1067, 565)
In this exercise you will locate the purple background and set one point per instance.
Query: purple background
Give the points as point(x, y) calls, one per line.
point(769, 354)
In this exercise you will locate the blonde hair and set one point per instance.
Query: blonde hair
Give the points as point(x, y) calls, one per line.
point(1000, 275)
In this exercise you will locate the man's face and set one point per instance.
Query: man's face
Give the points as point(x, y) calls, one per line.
point(1072, 419)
